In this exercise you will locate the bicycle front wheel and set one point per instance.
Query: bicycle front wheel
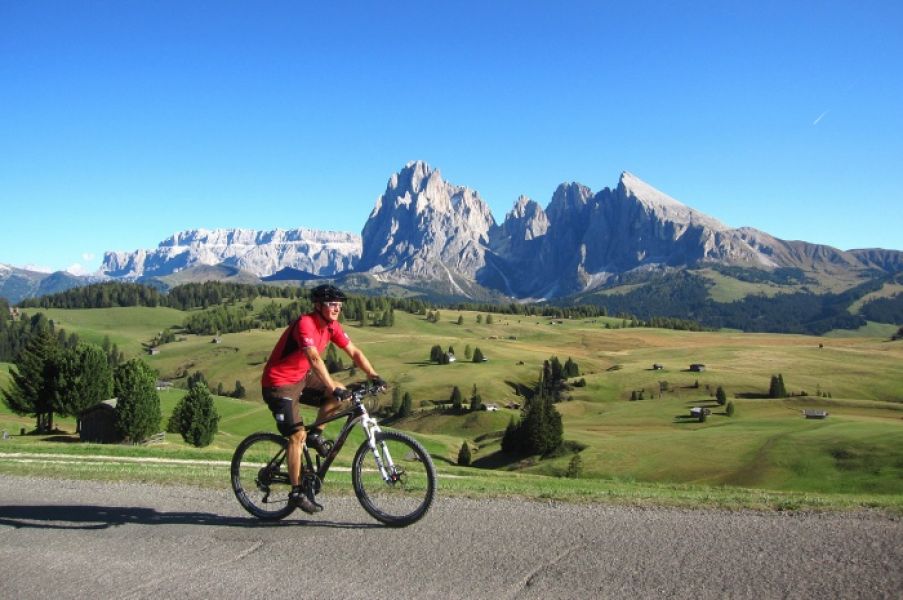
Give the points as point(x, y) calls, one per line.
point(396, 482)
point(260, 476)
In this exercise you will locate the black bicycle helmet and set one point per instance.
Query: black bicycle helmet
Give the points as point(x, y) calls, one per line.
point(327, 293)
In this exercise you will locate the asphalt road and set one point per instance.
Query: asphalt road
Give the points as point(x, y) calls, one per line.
point(74, 539)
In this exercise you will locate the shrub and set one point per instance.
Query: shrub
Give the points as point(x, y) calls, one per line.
point(195, 417)
point(729, 409)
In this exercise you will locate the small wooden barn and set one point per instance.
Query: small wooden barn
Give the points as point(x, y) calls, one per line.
point(98, 424)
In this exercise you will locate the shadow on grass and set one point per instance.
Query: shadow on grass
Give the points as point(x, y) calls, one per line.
point(90, 517)
point(753, 396)
point(520, 389)
point(686, 419)
point(65, 439)
point(497, 460)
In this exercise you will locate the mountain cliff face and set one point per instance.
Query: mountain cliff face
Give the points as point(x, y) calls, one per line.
point(589, 238)
point(260, 252)
point(425, 229)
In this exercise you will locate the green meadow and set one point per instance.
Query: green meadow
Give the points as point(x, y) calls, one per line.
point(645, 451)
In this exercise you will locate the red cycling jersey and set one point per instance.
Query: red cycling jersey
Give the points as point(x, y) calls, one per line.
point(288, 362)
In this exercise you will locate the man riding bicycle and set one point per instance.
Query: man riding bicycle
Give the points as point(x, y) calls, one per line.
point(295, 373)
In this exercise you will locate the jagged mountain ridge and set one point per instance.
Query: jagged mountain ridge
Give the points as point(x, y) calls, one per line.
point(262, 253)
point(579, 242)
point(429, 234)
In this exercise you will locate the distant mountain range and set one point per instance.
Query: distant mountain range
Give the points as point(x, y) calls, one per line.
point(435, 237)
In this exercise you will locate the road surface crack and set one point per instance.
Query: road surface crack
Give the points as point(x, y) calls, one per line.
point(527, 580)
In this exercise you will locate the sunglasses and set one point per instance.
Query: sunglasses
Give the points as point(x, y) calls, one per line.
point(333, 304)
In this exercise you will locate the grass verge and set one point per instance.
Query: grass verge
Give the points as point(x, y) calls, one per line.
point(137, 464)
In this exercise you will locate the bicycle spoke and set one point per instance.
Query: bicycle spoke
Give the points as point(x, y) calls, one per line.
point(259, 476)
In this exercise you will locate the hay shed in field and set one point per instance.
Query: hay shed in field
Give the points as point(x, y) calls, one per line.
point(810, 413)
point(98, 424)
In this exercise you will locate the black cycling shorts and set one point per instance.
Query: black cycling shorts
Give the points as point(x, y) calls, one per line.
point(283, 402)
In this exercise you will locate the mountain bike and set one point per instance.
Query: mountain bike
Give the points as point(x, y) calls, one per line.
point(392, 474)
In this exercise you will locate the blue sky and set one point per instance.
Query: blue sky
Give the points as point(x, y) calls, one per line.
point(123, 122)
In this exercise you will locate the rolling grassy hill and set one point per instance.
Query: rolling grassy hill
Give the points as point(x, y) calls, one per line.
point(766, 445)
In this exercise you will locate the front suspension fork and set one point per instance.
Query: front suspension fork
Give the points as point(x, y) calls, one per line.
point(380, 450)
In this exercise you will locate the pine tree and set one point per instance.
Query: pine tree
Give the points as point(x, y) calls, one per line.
point(720, 396)
point(456, 400)
point(138, 405)
point(460, 319)
point(571, 369)
point(776, 389)
point(729, 409)
point(396, 400)
point(509, 438)
point(196, 378)
point(539, 431)
point(86, 379)
point(477, 355)
point(239, 391)
point(464, 455)
point(195, 417)
point(476, 402)
point(407, 406)
point(33, 386)
point(575, 467)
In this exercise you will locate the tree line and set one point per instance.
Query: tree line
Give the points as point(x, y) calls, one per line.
point(53, 378)
point(684, 295)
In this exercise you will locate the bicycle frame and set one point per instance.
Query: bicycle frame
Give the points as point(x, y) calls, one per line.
point(358, 415)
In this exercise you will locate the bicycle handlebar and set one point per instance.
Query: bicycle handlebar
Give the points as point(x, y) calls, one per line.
point(365, 388)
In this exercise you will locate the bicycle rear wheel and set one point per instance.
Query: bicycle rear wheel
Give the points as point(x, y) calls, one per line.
point(406, 493)
point(260, 476)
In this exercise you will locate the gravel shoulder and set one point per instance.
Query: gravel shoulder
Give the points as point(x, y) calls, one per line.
point(71, 539)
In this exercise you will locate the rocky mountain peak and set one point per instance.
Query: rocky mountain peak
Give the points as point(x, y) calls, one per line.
point(568, 201)
point(426, 226)
point(662, 205)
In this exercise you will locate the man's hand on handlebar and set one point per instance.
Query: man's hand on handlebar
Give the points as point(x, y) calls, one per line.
point(379, 383)
point(341, 393)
